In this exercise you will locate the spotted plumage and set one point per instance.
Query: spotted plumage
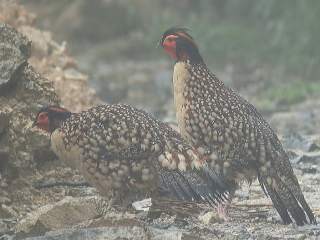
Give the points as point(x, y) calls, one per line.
point(239, 142)
point(127, 154)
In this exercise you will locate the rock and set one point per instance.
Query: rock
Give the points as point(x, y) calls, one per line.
point(39, 39)
point(32, 76)
point(4, 121)
point(4, 199)
point(4, 157)
point(315, 145)
point(4, 229)
point(164, 221)
point(65, 213)
point(14, 53)
point(69, 83)
point(303, 151)
point(110, 233)
point(132, 231)
point(31, 92)
point(142, 205)
point(312, 158)
point(14, 14)
point(21, 99)
point(210, 217)
point(294, 140)
point(289, 121)
point(7, 212)
point(303, 119)
point(308, 162)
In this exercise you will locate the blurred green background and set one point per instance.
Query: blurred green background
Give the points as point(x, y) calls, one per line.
point(268, 50)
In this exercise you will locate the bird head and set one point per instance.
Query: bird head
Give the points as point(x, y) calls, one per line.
point(179, 44)
point(50, 118)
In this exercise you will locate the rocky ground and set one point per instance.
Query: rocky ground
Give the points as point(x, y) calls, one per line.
point(42, 199)
point(77, 212)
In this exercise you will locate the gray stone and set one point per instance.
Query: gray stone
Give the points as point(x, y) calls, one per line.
point(14, 53)
point(119, 232)
point(67, 212)
point(4, 121)
point(7, 212)
point(310, 157)
point(18, 148)
point(303, 120)
point(3, 228)
point(110, 233)
point(295, 140)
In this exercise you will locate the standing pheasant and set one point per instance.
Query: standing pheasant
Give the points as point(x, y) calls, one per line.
point(127, 154)
point(215, 119)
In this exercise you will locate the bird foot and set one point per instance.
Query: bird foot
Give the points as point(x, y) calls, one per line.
point(222, 211)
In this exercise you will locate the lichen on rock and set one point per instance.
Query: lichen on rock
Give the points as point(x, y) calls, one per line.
point(34, 71)
point(14, 53)
point(23, 91)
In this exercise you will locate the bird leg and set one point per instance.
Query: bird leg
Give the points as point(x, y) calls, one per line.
point(223, 210)
point(223, 207)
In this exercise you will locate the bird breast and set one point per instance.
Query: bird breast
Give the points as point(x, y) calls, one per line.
point(71, 155)
point(180, 77)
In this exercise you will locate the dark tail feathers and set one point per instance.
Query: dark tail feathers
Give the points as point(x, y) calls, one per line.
point(288, 199)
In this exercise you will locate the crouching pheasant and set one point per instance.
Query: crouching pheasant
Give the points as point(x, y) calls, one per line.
point(128, 155)
point(216, 119)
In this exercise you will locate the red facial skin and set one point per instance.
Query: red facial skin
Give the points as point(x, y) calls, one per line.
point(169, 45)
point(43, 121)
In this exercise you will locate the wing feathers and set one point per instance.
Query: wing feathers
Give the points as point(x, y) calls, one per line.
point(193, 186)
